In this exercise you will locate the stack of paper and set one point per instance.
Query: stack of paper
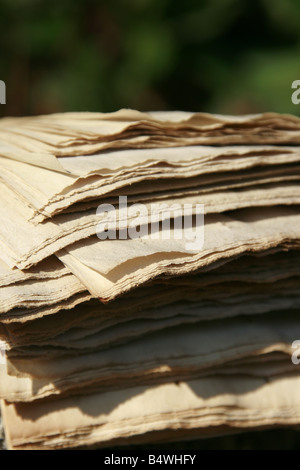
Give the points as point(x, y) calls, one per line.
point(149, 276)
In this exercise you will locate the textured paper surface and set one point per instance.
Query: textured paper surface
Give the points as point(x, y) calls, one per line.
point(110, 267)
point(146, 414)
point(141, 340)
point(170, 354)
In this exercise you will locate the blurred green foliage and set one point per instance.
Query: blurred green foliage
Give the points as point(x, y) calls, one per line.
point(225, 56)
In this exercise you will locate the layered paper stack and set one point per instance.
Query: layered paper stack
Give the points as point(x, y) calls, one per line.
point(111, 336)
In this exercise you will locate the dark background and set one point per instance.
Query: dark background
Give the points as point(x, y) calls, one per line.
point(224, 56)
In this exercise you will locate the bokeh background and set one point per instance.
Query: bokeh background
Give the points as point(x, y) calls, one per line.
point(225, 56)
